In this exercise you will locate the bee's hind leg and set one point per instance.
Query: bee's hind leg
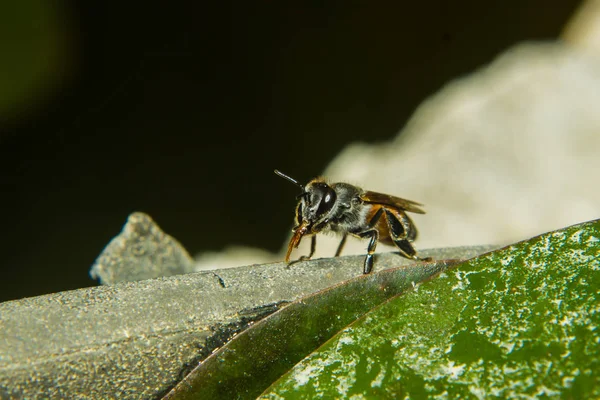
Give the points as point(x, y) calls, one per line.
point(403, 232)
point(407, 250)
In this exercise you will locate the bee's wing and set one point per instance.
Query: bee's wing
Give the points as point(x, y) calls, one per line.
point(392, 201)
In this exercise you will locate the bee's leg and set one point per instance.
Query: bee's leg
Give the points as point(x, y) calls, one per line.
point(341, 245)
point(374, 234)
point(398, 230)
point(313, 247)
point(406, 249)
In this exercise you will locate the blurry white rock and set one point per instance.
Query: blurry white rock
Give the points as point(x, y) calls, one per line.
point(234, 256)
point(509, 152)
point(583, 30)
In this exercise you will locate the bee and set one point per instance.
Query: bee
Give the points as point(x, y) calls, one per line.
point(349, 210)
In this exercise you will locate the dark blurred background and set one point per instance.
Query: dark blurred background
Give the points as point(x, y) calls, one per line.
point(183, 109)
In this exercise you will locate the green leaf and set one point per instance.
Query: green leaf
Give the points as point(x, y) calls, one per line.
point(255, 358)
point(521, 322)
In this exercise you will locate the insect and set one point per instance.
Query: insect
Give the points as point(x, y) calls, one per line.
point(349, 210)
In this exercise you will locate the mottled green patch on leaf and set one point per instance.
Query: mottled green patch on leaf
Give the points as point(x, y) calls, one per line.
point(519, 322)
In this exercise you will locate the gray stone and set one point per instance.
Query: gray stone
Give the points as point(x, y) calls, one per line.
point(141, 251)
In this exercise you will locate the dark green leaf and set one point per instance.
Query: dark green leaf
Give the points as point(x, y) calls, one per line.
point(521, 322)
point(254, 359)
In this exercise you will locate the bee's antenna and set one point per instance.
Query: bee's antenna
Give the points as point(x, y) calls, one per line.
point(284, 176)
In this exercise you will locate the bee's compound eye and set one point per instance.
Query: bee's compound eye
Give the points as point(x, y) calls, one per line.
point(327, 200)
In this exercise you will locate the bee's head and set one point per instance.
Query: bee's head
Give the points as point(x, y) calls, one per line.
point(316, 201)
point(312, 212)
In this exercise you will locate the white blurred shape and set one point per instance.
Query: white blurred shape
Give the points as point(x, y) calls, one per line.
point(509, 152)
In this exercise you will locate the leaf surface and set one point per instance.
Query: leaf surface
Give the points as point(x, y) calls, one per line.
point(520, 322)
point(258, 356)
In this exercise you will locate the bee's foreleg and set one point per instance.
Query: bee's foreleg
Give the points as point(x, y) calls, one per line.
point(313, 248)
point(313, 245)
